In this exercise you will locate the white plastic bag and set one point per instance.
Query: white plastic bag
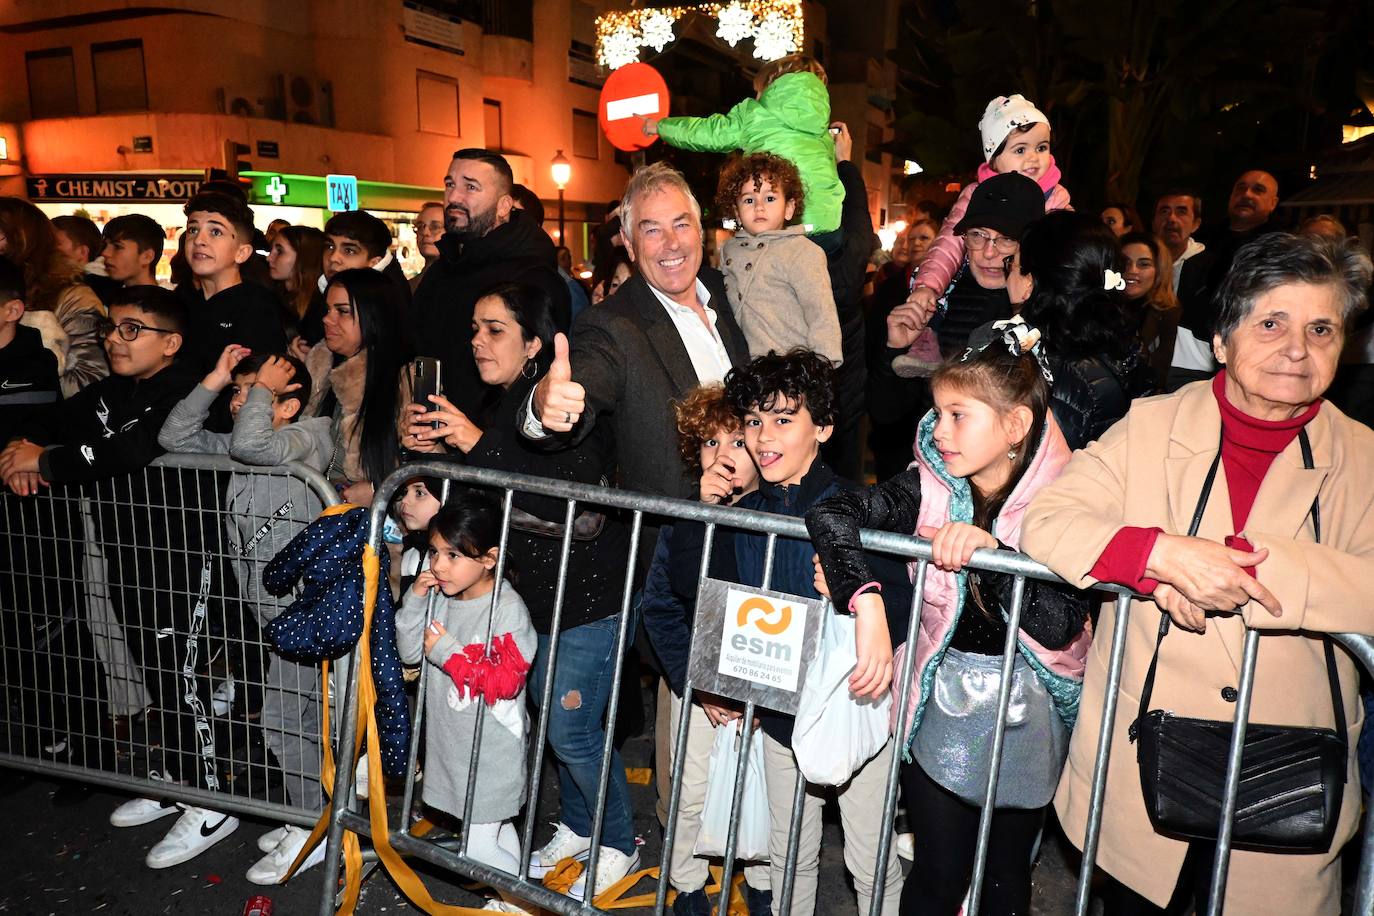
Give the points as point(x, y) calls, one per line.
point(835, 734)
point(751, 844)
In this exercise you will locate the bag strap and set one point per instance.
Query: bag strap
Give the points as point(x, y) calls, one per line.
point(1193, 527)
point(1337, 705)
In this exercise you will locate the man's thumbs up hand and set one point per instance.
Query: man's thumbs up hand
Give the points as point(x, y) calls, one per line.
point(558, 400)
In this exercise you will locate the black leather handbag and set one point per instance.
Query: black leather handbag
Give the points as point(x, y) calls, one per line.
point(1292, 778)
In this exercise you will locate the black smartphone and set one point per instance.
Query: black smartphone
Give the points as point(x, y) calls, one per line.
point(426, 379)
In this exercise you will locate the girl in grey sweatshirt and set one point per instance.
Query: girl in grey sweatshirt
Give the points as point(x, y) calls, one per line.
point(481, 638)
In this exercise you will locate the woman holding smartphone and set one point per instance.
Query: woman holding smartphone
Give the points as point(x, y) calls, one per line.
point(512, 344)
point(356, 378)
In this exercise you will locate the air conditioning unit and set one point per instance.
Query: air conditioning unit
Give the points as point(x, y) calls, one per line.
point(239, 101)
point(306, 100)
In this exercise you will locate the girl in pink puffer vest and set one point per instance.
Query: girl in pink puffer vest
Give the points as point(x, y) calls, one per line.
point(1016, 138)
point(982, 453)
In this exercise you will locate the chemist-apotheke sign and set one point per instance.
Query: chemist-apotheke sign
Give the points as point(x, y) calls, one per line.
point(115, 186)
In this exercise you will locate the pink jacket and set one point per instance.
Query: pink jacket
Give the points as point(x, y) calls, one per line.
point(946, 253)
point(941, 499)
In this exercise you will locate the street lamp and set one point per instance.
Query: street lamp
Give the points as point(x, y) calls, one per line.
point(562, 174)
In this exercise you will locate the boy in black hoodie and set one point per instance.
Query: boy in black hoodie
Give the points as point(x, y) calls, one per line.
point(28, 370)
point(225, 310)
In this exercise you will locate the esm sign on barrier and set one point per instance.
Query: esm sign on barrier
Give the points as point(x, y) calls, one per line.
point(754, 645)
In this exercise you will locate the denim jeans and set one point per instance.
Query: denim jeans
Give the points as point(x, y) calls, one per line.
point(577, 729)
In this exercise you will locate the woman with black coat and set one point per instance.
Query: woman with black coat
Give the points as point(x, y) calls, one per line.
point(512, 346)
point(1065, 281)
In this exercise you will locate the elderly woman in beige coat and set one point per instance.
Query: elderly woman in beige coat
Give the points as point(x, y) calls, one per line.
point(1120, 513)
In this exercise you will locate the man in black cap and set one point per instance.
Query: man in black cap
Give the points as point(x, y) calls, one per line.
point(998, 213)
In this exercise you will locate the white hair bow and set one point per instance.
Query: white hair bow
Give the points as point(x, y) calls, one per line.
point(1114, 280)
point(1016, 335)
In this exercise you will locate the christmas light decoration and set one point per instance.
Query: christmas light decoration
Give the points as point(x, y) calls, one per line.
point(618, 47)
point(736, 23)
point(774, 38)
point(657, 29)
point(776, 27)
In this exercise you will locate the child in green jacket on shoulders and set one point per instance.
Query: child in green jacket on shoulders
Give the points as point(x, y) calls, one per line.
point(789, 118)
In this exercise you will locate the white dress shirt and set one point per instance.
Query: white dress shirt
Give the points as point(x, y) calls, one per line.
point(1189, 351)
point(704, 346)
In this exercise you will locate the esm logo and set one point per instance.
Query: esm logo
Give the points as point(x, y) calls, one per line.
point(770, 621)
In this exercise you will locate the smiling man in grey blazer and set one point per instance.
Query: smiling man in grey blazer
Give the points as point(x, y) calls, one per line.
point(666, 330)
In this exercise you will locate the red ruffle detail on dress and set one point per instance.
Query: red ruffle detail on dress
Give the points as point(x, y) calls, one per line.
point(498, 675)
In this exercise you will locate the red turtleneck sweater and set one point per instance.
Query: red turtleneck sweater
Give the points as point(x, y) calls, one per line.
point(1248, 447)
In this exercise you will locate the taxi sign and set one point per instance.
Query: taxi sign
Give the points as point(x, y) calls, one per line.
point(341, 192)
point(634, 91)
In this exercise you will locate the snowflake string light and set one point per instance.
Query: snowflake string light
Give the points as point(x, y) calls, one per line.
point(736, 23)
point(657, 29)
point(777, 27)
point(774, 37)
point(619, 47)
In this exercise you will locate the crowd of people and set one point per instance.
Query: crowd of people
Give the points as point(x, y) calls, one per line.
point(1031, 376)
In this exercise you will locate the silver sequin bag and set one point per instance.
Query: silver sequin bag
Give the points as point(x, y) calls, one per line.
point(954, 742)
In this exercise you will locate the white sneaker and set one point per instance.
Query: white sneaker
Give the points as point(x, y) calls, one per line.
point(501, 906)
point(564, 845)
point(611, 866)
point(138, 811)
point(194, 832)
point(906, 846)
point(271, 868)
point(269, 840)
point(222, 700)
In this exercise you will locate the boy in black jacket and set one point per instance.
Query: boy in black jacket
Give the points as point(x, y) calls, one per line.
point(41, 604)
point(225, 310)
point(166, 578)
point(110, 427)
point(356, 238)
point(790, 406)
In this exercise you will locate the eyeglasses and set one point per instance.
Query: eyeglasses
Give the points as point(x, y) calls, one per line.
point(976, 240)
point(128, 330)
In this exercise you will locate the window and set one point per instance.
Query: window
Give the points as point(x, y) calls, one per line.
point(52, 83)
point(120, 81)
point(874, 143)
point(491, 121)
point(437, 101)
point(586, 135)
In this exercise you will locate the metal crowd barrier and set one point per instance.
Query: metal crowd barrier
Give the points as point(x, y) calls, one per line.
point(130, 645)
point(647, 510)
point(346, 817)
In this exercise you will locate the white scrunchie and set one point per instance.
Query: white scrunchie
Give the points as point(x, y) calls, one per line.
point(1114, 280)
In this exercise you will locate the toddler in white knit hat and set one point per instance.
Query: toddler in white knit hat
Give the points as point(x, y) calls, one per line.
point(1016, 138)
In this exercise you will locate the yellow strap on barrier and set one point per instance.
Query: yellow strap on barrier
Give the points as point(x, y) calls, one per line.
point(565, 874)
point(639, 776)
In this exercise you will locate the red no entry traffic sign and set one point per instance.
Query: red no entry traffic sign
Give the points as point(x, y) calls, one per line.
point(634, 91)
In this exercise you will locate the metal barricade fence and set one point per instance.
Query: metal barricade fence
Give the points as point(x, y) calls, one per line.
point(131, 652)
point(647, 511)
